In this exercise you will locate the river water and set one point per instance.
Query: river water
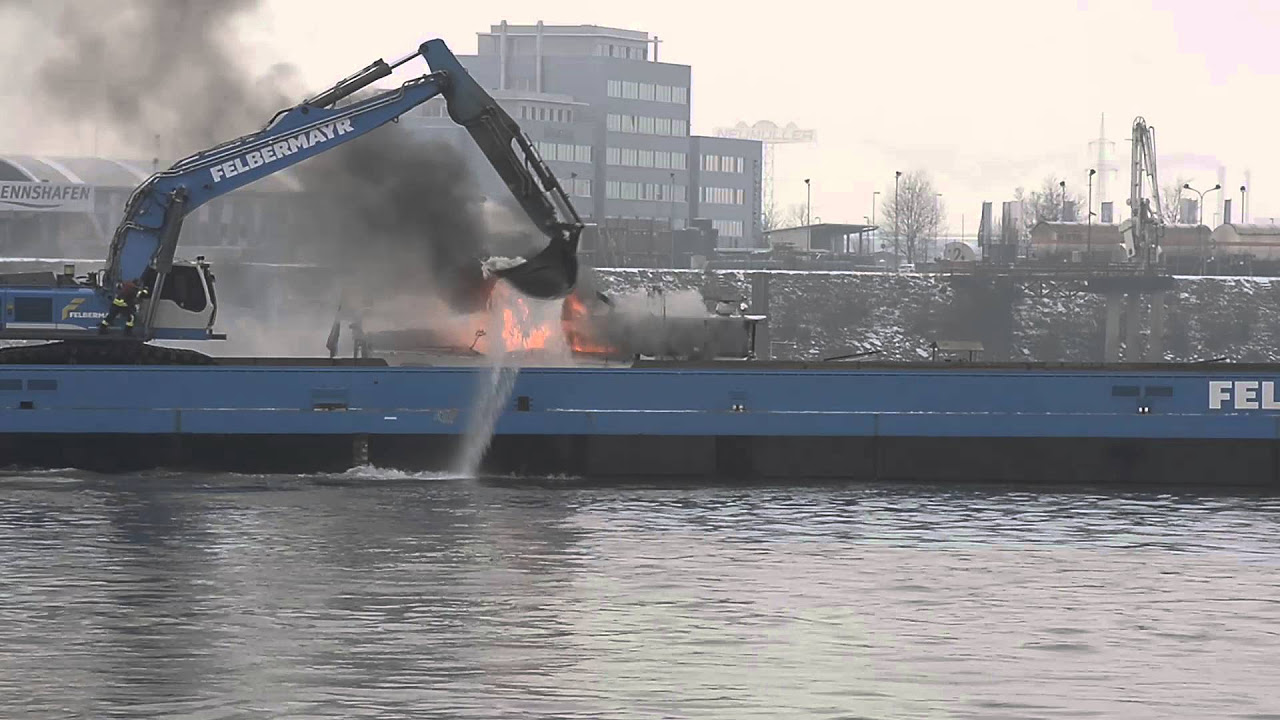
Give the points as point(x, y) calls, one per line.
point(378, 594)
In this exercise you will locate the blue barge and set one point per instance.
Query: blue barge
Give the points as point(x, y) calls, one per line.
point(739, 420)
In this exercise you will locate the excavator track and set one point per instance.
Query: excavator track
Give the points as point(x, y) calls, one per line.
point(88, 352)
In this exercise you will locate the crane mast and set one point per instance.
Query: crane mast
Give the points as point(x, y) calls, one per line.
point(1141, 232)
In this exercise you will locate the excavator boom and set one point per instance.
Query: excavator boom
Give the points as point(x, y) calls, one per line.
point(183, 305)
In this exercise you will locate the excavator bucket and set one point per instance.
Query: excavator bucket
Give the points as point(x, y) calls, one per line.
point(553, 272)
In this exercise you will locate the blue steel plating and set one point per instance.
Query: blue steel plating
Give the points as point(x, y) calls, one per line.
point(636, 401)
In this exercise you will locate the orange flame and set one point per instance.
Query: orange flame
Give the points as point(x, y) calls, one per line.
point(516, 334)
point(576, 323)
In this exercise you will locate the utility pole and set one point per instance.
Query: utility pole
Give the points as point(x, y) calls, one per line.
point(1244, 219)
point(1062, 214)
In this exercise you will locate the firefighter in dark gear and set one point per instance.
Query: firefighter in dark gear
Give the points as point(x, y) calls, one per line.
point(125, 303)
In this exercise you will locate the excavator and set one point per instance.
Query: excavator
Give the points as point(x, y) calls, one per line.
point(1141, 232)
point(181, 303)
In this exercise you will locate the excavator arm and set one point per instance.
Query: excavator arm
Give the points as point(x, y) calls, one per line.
point(552, 272)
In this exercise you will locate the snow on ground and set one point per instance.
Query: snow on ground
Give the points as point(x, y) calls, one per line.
point(824, 314)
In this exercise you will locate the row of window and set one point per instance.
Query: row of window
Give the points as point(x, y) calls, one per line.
point(633, 157)
point(728, 228)
point(564, 152)
point(722, 163)
point(722, 196)
point(544, 113)
point(642, 125)
point(629, 90)
point(627, 52)
point(619, 190)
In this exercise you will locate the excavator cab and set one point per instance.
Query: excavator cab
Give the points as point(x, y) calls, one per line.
point(186, 301)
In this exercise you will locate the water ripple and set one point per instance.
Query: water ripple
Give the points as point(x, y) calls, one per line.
point(371, 594)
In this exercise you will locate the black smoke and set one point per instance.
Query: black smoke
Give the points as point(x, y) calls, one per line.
point(167, 78)
point(145, 68)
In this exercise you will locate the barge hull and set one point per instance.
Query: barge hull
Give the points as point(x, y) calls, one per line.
point(1157, 424)
point(932, 459)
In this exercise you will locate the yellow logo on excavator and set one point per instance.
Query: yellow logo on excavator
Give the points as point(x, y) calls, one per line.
point(75, 303)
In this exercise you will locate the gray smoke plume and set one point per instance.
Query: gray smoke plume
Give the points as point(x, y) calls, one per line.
point(139, 69)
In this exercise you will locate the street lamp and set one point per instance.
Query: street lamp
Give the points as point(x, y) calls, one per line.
point(808, 214)
point(1063, 214)
point(1088, 243)
point(873, 219)
point(897, 254)
point(1243, 217)
point(937, 221)
point(1204, 247)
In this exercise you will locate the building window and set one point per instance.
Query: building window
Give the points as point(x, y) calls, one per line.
point(722, 196)
point(645, 125)
point(662, 159)
point(728, 228)
point(564, 152)
point(581, 188)
point(657, 192)
point(722, 163)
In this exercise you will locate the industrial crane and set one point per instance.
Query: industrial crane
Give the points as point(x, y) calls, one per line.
point(1142, 230)
point(183, 305)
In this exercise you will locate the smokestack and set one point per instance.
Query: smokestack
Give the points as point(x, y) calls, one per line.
point(1108, 213)
point(1226, 211)
point(502, 55)
point(537, 63)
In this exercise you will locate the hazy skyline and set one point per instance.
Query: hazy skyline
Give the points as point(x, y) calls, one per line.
point(985, 96)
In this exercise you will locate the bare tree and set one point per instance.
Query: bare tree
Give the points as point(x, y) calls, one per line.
point(1046, 204)
point(916, 215)
point(770, 215)
point(793, 216)
point(1171, 200)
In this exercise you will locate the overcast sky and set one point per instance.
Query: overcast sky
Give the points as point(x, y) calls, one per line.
point(986, 96)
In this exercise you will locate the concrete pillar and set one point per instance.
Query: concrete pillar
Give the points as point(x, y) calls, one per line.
point(1133, 328)
point(1111, 331)
point(1155, 341)
point(760, 306)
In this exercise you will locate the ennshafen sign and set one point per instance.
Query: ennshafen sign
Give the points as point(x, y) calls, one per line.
point(1243, 395)
point(45, 197)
